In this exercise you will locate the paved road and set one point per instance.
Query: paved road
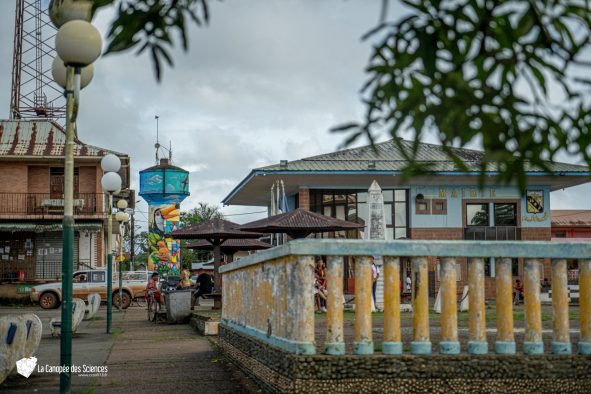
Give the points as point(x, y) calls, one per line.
point(141, 357)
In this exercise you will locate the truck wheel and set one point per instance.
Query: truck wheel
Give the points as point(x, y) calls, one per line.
point(48, 300)
point(125, 302)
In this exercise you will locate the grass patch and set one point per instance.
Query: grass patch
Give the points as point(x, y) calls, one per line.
point(91, 389)
point(116, 332)
point(491, 315)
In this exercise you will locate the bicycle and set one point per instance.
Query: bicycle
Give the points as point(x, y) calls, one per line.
point(153, 306)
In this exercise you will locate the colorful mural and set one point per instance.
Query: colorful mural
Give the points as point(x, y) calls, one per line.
point(164, 187)
point(164, 251)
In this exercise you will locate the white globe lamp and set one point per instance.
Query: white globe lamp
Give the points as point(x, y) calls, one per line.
point(122, 204)
point(120, 217)
point(110, 163)
point(111, 182)
point(62, 11)
point(78, 43)
point(59, 72)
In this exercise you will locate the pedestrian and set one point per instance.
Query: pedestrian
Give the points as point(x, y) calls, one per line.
point(375, 274)
point(203, 285)
point(517, 292)
point(320, 293)
point(408, 283)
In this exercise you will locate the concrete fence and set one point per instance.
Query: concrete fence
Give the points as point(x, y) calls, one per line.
point(269, 296)
point(272, 300)
point(20, 336)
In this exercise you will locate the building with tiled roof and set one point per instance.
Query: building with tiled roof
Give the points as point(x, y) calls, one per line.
point(384, 162)
point(31, 200)
point(444, 204)
point(571, 224)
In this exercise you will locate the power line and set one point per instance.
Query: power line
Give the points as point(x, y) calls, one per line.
point(246, 213)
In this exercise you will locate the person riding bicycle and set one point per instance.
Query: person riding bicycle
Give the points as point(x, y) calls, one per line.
point(153, 287)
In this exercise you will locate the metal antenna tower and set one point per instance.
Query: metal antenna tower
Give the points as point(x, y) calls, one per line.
point(34, 93)
point(158, 146)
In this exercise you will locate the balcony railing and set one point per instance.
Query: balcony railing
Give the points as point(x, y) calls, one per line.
point(498, 233)
point(45, 204)
point(269, 295)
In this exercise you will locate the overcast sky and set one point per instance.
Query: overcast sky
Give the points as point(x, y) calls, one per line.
point(264, 82)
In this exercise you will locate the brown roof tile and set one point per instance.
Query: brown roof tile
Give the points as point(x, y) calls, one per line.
point(214, 228)
point(299, 223)
point(571, 217)
point(40, 138)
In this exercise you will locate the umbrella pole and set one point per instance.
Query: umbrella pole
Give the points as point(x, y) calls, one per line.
point(217, 277)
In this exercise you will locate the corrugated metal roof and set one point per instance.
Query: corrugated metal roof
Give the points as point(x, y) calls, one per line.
point(386, 156)
point(40, 138)
point(571, 218)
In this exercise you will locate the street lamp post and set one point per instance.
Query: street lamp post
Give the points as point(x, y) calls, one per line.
point(111, 183)
point(122, 217)
point(78, 45)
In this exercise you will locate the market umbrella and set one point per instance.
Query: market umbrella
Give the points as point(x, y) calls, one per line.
point(299, 223)
point(231, 246)
point(216, 232)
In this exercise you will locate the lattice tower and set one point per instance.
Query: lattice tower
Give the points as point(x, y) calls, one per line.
point(34, 93)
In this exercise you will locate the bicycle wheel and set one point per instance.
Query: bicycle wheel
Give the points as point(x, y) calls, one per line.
point(156, 309)
point(151, 309)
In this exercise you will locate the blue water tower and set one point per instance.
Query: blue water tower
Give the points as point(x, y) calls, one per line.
point(164, 187)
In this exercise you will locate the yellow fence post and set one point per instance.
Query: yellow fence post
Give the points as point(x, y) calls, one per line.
point(533, 343)
point(363, 342)
point(477, 315)
point(334, 344)
point(392, 339)
point(303, 318)
point(449, 310)
point(505, 343)
point(585, 306)
point(561, 342)
point(421, 343)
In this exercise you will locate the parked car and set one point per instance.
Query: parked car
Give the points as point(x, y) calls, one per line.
point(49, 295)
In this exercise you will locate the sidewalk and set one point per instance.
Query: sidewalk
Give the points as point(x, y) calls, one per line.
point(141, 357)
point(162, 358)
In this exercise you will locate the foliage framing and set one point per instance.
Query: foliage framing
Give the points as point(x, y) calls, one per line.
point(149, 24)
point(506, 73)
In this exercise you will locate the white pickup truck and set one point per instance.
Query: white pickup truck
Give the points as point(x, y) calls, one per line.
point(49, 295)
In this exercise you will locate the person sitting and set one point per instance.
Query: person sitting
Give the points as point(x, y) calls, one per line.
point(153, 287)
point(204, 285)
point(320, 293)
point(517, 292)
point(185, 281)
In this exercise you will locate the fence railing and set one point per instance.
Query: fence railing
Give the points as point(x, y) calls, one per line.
point(269, 295)
point(46, 204)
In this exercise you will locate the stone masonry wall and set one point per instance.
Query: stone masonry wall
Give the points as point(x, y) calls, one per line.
point(279, 371)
